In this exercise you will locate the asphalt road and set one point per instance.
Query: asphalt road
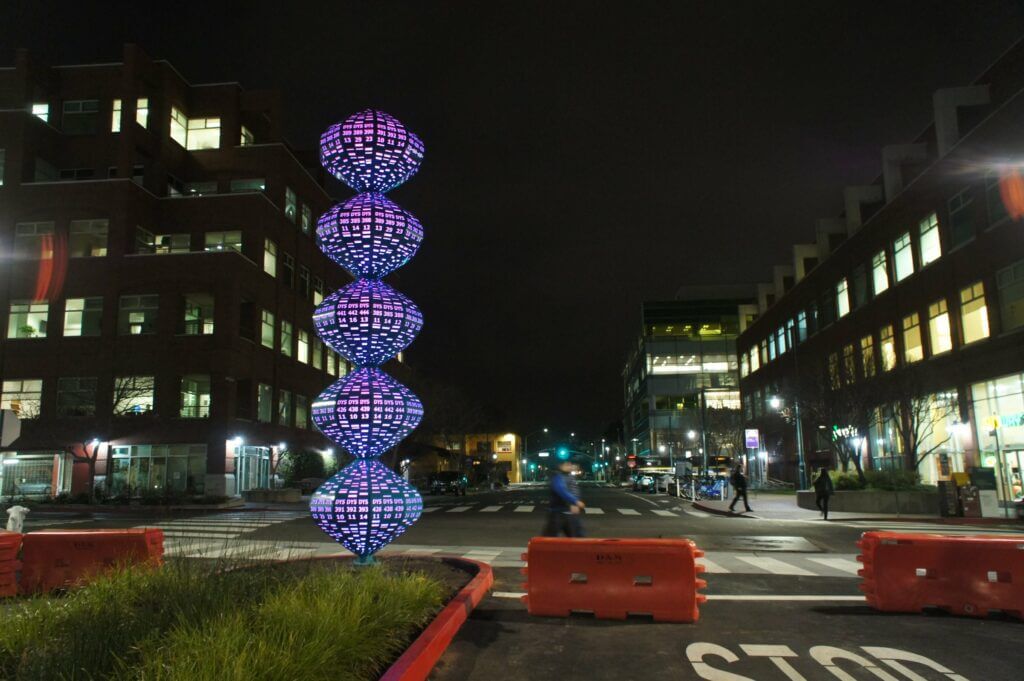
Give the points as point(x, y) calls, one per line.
point(784, 602)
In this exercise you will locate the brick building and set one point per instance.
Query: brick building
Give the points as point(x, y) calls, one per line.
point(159, 277)
point(915, 290)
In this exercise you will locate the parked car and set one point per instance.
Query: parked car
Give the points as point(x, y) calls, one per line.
point(664, 482)
point(643, 483)
point(449, 482)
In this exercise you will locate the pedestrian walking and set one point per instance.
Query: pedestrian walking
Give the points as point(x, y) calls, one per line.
point(739, 483)
point(823, 489)
point(566, 505)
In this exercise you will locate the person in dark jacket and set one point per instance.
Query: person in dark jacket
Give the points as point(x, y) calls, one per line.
point(739, 483)
point(823, 489)
point(566, 505)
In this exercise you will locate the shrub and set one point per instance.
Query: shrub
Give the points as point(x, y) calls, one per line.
point(846, 481)
point(893, 479)
point(302, 464)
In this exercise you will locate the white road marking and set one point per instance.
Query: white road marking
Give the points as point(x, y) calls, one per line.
point(628, 511)
point(658, 511)
point(712, 566)
point(695, 512)
point(841, 564)
point(508, 594)
point(459, 509)
point(642, 499)
point(490, 509)
point(590, 510)
point(524, 509)
point(774, 566)
point(430, 509)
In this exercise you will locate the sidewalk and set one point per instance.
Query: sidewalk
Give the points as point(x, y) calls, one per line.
point(783, 507)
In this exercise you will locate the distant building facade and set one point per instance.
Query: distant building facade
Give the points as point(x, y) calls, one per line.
point(916, 290)
point(682, 364)
point(159, 281)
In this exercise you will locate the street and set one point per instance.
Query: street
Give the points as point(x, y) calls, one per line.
point(788, 586)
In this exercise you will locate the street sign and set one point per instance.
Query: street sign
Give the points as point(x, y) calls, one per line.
point(10, 427)
point(543, 455)
point(752, 438)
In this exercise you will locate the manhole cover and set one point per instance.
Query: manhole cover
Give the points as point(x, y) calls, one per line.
point(756, 543)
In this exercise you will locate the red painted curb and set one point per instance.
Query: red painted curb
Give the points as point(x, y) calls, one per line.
point(419, 659)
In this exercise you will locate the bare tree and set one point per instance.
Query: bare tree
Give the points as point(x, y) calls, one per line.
point(133, 395)
point(915, 413)
point(86, 453)
point(724, 432)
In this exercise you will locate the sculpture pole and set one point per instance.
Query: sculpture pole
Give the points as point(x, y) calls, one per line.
point(365, 506)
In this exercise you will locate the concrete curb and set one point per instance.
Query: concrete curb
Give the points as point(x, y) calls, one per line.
point(419, 659)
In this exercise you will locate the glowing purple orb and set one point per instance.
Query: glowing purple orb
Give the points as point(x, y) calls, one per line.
point(367, 322)
point(369, 235)
point(365, 506)
point(367, 412)
point(371, 151)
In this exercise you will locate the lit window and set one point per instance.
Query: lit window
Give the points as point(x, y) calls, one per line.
point(33, 240)
point(770, 341)
point(41, 111)
point(929, 245)
point(343, 368)
point(301, 411)
point(246, 138)
point(903, 257)
point(142, 111)
point(287, 338)
point(133, 395)
point(913, 350)
point(302, 351)
point(867, 355)
point(849, 364)
point(763, 348)
point(167, 244)
point(270, 257)
point(973, 313)
point(780, 339)
point(744, 365)
point(137, 315)
point(87, 238)
point(203, 133)
point(115, 116)
point(755, 359)
point(179, 126)
point(284, 407)
point(253, 184)
point(318, 290)
point(223, 241)
point(145, 242)
point(332, 363)
point(880, 272)
point(289, 203)
point(801, 327)
point(200, 188)
point(83, 316)
point(317, 353)
point(888, 345)
point(842, 298)
point(76, 397)
point(833, 371)
point(195, 396)
point(28, 319)
point(307, 219)
point(939, 334)
point(198, 314)
point(264, 403)
point(267, 329)
point(23, 396)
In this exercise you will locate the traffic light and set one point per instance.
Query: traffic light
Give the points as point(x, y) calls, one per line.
point(563, 453)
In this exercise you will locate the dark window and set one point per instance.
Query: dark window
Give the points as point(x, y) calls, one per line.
point(304, 281)
point(80, 117)
point(76, 396)
point(243, 399)
point(961, 218)
point(1011, 296)
point(288, 270)
point(247, 320)
point(994, 199)
point(860, 287)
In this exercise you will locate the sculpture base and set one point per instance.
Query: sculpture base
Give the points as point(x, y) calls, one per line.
point(364, 561)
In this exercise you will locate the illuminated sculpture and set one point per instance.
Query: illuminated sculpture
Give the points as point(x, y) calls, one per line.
point(365, 506)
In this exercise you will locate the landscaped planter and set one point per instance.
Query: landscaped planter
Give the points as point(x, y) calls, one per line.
point(286, 495)
point(912, 502)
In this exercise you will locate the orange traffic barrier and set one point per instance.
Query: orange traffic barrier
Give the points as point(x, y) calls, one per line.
point(10, 544)
point(965, 575)
point(54, 559)
point(614, 578)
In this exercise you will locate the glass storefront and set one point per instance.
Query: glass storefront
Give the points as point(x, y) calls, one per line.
point(157, 469)
point(252, 468)
point(940, 445)
point(999, 412)
point(32, 474)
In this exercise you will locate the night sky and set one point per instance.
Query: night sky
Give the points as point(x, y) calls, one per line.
point(581, 156)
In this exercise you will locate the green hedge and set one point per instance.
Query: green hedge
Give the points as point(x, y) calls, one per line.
point(889, 480)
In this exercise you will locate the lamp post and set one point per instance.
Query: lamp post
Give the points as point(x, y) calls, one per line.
point(776, 403)
point(526, 447)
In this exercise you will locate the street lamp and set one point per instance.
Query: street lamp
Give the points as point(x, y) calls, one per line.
point(691, 435)
point(776, 403)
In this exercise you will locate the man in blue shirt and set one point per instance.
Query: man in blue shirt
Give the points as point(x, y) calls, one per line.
point(566, 505)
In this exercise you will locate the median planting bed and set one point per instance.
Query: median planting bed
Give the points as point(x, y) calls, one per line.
point(196, 620)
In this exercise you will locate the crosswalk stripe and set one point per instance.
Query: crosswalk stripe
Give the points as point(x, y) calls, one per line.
point(841, 564)
point(658, 511)
point(590, 510)
point(712, 566)
point(628, 511)
point(490, 509)
point(524, 509)
point(775, 566)
point(459, 509)
point(430, 509)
